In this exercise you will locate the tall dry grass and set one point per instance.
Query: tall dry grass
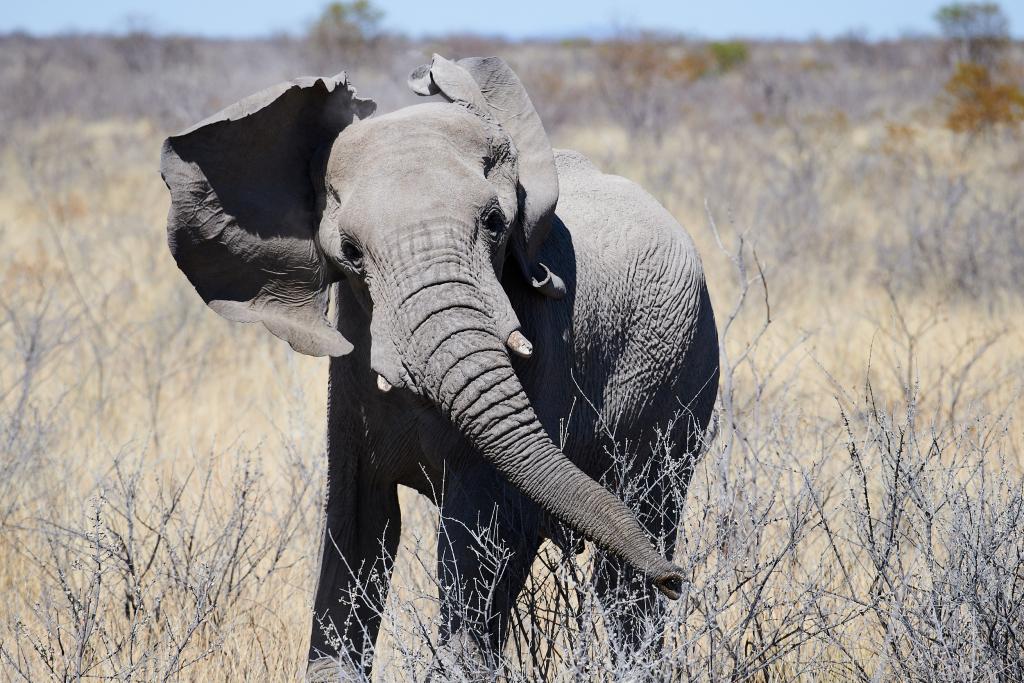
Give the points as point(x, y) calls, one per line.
point(859, 515)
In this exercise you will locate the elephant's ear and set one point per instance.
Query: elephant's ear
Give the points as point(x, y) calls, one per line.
point(242, 224)
point(488, 86)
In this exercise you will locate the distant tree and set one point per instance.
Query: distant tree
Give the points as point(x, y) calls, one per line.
point(346, 31)
point(978, 31)
point(729, 54)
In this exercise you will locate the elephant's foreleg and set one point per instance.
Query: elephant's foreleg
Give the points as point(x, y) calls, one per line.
point(360, 540)
point(487, 542)
point(634, 611)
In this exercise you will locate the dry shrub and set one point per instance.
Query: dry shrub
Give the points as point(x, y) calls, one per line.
point(980, 102)
point(155, 576)
point(899, 140)
point(646, 61)
point(643, 78)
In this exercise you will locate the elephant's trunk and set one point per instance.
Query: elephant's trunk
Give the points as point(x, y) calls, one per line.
point(466, 370)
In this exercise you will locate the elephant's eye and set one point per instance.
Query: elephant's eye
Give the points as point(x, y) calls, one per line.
point(495, 221)
point(352, 254)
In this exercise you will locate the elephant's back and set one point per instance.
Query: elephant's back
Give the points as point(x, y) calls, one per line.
point(630, 250)
point(616, 220)
point(642, 321)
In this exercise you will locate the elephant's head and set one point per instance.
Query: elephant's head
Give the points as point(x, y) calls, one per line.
point(290, 190)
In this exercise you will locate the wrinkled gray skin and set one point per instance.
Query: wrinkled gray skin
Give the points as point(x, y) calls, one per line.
point(439, 225)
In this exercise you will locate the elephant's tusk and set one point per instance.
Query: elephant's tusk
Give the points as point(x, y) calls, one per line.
point(383, 384)
point(519, 344)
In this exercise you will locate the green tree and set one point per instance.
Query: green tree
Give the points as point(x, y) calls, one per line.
point(346, 29)
point(979, 30)
point(729, 54)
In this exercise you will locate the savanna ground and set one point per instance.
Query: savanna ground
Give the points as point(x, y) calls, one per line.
point(858, 516)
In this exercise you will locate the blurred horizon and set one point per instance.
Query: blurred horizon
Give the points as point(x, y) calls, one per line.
point(527, 19)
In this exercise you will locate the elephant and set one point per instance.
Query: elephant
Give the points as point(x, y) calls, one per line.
point(482, 288)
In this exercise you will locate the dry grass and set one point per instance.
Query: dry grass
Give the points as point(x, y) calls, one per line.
point(859, 515)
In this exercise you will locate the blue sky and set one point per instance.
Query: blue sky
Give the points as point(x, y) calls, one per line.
point(516, 19)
